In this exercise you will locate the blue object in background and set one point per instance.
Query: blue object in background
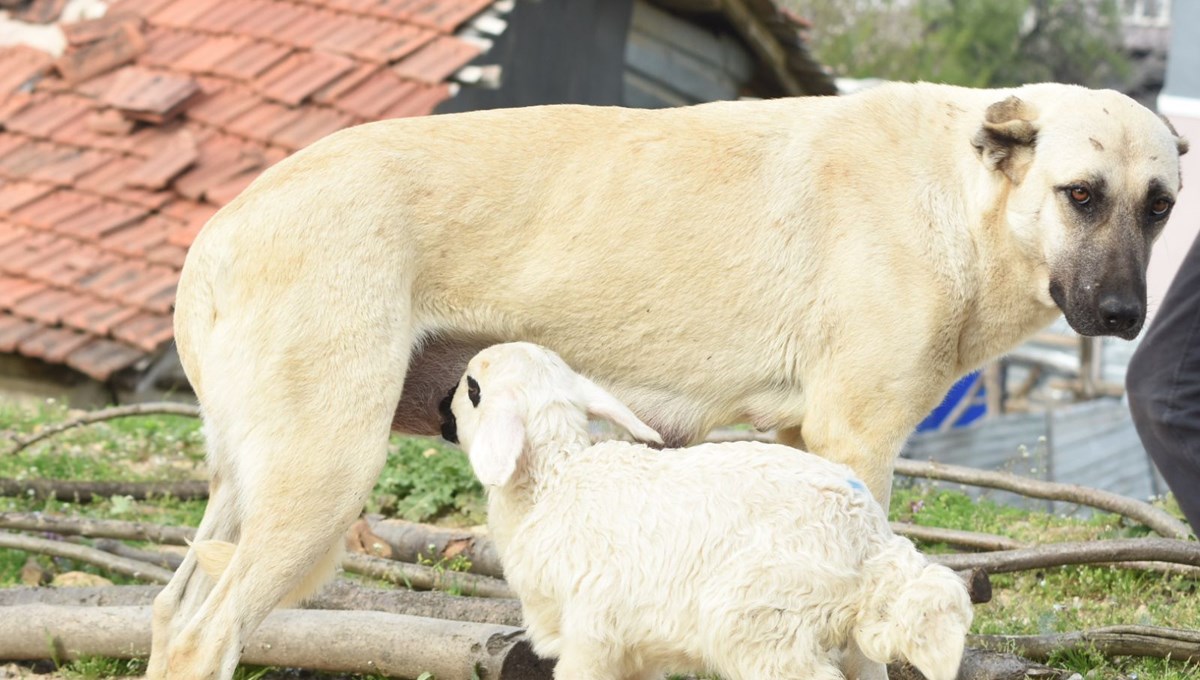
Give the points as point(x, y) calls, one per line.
point(970, 387)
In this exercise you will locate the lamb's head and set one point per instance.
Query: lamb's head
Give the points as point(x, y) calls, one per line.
point(518, 396)
point(914, 610)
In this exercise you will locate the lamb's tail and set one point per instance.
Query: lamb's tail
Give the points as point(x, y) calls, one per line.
point(914, 610)
point(214, 557)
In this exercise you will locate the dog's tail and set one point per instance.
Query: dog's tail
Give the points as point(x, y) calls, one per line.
point(214, 558)
point(914, 610)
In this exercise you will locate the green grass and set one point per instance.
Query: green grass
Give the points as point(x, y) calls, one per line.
point(425, 480)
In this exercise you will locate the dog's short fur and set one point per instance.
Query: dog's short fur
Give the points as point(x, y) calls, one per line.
point(824, 266)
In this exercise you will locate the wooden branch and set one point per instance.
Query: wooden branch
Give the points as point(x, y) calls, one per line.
point(113, 563)
point(340, 594)
point(425, 578)
point(955, 537)
point(1084, 552)
point(148, 408)
point(88, 491)
point(96, 528)
point(158, 558)
point(1161, 522)
point(334, 641)
point(1179, 645)
point(409, 540)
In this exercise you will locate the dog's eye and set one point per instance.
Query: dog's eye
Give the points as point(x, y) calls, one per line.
point(1160, 207)
point(1080, 195)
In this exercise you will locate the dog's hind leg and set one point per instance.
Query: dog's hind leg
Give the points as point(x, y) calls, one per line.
point(304, 422)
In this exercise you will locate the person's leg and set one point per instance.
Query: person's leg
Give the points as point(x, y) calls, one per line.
point(1163, 384)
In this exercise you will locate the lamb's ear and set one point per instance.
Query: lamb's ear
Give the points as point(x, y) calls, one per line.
point(601, 404)
point(1007, 136)
point(498, 442)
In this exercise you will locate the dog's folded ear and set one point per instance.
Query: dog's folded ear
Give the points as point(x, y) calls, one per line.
point(1007, 136)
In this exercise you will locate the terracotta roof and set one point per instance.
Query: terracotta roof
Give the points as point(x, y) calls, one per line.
point(113, 155)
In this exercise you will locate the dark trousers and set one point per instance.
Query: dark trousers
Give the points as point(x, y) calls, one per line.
point(1163, 384)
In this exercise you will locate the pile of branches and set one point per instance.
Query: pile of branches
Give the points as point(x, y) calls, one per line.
point(457, 619)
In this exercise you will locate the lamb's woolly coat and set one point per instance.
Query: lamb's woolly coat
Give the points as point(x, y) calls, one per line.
point(753, 560)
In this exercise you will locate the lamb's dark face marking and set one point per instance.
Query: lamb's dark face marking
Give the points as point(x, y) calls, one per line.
point(473, 391)
point(449, 423)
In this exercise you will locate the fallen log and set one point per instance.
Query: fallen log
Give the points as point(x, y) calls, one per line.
point(410, 541)
point(87, 491)
point(425, 578)
point(1161, 522)
point(82, 553)
point(157, 558)
point(1083, 552)
point(340, 594)
point(956, 537)
point(96, 528)
point(1152, 641)
point(332, 641)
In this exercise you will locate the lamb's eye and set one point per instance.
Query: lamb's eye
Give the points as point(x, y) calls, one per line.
point(1160, 207)
point(473, 391)
point(1080, 195)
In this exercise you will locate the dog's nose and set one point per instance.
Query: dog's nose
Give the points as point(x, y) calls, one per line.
point(1118, 314)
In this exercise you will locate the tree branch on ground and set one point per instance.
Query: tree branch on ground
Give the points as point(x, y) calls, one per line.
point(1179, 645)
point(955, 537)
point(148, 408)
point(1084, 552)
point(981, 664)
point(88, 491)
point(1161, 522)
point(96, 528)
point(82, 553)
point(425, 578)
point(335, 641)
point(411, 540)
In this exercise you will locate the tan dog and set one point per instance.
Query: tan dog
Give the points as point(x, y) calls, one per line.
point(824, 266)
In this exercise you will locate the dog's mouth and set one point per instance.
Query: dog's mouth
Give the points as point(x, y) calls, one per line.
point(1121, 316)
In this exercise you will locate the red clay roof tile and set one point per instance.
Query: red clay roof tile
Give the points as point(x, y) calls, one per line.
point(248, 63)
point(312, 125)
point(66, 268)
point(447, 15)
point(154, 96)
point(42, 118)
point(10, 233)
point(99, 317)
point(395, 43)
point(70, 166)
point(332, 92)
point(350, 33)
point(293, 80)
point(311, 26)
point(175, 156)
point(20, 65)
point(13, 104)
point(142, 8)
point(100, 359)
point(110, 282)
point(224, 106)
point(50, 210)
point(100, 221)
point(436, 61)
point(209, 52)
point(96, 86)
point(53, 344)
point(13, 330)
point(221, 158)
point(225, 16)
point(262, 121)
point(147, 330)
point(91, 30)
point(267, 20)
point(50, 305)
point(420, 102)
point(13, 289)
point(157, 280)
point(170, 254)
point(120, 47)
point(21, 256)
point(375, 95)
point(40, 11)
point(13, 195)
point(166, 46)
point(229, 189)
point(137, 240)
point(182, 13)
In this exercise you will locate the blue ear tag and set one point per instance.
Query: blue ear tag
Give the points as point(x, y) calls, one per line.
point(856, 485)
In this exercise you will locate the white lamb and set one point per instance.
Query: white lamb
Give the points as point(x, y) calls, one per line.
point(750, 560)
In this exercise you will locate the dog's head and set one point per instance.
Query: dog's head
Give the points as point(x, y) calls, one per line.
point(1091, 179)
